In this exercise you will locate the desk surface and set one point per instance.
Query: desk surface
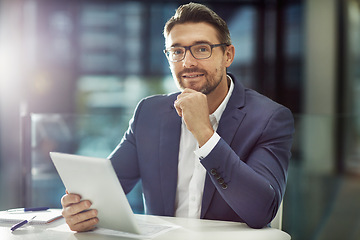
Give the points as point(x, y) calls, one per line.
point(188, 229)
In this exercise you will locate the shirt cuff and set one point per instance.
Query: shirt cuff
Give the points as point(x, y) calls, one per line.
point(208, 146)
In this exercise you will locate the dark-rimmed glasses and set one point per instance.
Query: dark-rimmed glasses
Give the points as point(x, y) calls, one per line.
point(198, 51)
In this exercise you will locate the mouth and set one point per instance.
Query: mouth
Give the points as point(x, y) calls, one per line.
point(192, 75)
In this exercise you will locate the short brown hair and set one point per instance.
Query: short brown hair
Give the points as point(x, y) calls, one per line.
point(196, 13)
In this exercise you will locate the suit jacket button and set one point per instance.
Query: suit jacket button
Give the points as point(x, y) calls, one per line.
point(224, 186)
point(221, 181)
point(213, 171)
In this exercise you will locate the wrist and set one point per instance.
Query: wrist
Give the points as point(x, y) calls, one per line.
point(203, 136)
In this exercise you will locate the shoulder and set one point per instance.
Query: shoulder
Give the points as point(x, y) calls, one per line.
point(159, 99)
point(260, 101)
point(252, 101)
point(157, 103)
point(263, 110)
point(256, 105)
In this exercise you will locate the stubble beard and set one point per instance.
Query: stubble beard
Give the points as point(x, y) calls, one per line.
point(210, 85)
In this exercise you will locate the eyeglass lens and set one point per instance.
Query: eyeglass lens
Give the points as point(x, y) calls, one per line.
point(199, 51)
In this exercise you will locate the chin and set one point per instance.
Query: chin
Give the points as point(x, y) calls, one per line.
point(195, 88)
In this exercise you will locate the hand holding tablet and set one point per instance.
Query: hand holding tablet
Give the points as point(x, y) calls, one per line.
point(77, 213)
point(95, 180)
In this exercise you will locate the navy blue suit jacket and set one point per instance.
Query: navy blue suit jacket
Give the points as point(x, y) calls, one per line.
point(246, 171)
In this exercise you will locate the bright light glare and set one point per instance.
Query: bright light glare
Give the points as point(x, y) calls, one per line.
point(9, 61)
point(10, 41)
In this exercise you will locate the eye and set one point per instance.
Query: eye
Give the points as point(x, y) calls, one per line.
point(201, 49)
point(177, 51)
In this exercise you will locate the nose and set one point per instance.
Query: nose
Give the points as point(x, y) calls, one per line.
point(189, 60)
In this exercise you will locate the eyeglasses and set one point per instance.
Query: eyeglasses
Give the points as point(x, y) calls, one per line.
point(198, 51)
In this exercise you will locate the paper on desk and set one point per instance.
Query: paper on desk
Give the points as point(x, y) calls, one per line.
point(42, 217)
point(149, 230)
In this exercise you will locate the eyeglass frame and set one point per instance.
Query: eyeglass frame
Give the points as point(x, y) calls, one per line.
point(188, 48)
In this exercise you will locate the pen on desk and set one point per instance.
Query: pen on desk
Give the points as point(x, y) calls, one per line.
point(22, 210)
point(22, 223)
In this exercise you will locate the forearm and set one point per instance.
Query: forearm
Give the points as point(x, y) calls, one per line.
point(247, 192)
point(250, 172)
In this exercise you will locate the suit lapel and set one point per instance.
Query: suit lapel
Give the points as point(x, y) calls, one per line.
point(169, 154)
point(233, 114)
point(228, 125)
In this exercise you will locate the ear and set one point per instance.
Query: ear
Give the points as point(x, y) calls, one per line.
point(229, 55)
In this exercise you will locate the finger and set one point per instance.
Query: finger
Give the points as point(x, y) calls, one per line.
point(185, 93)
point(69, 199)
point(83, 220)
point(76, 208)
point(85, 225)
point(178, 108)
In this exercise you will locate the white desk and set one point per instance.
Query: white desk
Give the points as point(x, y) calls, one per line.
point(189, 229)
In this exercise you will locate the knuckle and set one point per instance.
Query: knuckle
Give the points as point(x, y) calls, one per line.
point(69, 222)
point(64, 200)
point(64, 213)
point(69, 211)
point(69, 199)
point(76, 218)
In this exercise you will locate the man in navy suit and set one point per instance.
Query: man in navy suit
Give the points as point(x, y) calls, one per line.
point(215, 150)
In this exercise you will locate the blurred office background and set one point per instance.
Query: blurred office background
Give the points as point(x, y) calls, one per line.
point(72, 72)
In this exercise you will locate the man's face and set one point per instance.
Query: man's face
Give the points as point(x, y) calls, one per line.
point(201, 75)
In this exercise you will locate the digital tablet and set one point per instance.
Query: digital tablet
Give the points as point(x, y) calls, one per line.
point(95, 179)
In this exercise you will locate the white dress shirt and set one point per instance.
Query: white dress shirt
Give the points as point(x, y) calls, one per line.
point(191, 173)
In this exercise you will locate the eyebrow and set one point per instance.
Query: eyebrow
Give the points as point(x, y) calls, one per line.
point(197, 42)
